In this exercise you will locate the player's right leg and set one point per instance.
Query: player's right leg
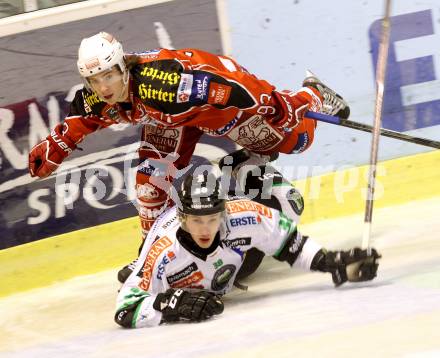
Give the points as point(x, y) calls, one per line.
point(261, 182)
point(163, 151)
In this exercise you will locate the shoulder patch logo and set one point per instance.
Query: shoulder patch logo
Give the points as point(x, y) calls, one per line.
point(238, 206)
point(219, 93)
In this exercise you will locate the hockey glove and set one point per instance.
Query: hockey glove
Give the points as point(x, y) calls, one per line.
point(180, 305)
point(293, 106)
point(333, 104)
point(46, 156)
point(354, 265)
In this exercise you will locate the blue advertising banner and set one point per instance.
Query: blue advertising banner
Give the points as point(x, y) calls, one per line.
point(410, 101)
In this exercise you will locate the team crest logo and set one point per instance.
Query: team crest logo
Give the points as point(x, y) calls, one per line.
point(147, 191)
point(222, 277)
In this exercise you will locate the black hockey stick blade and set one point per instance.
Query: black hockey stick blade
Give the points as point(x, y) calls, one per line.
point(367, 128)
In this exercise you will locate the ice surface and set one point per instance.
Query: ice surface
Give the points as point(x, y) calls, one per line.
point(284, 313)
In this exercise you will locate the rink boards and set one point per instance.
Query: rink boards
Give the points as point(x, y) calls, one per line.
point(284, 313)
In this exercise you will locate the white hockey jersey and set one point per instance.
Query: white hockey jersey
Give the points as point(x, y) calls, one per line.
point(168, 261)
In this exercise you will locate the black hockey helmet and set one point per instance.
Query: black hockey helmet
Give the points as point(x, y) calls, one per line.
point(201, 195)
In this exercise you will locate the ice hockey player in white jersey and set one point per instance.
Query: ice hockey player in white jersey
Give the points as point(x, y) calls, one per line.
point(195, 250)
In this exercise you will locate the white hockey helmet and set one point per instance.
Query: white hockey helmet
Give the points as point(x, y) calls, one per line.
point(100, 53)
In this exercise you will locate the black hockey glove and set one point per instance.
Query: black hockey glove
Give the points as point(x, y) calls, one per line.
point(354, 265)
point(177, 305)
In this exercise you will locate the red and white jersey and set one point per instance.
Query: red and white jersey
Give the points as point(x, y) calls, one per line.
point(190, 87)
point(171, 259)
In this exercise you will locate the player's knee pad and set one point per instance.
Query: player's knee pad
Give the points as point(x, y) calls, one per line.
point(243, 164)
point(261, 182)
point(264, 184)
point(243, 157)
point(275, 191)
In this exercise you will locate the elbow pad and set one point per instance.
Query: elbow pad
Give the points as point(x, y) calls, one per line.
point(125, 316)
point(292, 248)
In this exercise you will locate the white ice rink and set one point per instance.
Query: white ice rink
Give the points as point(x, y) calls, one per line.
point(285, 313)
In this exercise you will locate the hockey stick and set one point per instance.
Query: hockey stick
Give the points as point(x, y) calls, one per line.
point(367, 128)
point(380, 83)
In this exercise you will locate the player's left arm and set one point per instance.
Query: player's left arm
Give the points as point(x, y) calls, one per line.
point(285, 243)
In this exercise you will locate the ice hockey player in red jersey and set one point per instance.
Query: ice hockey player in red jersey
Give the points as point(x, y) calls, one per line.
point(177, 95)
point(196, 248)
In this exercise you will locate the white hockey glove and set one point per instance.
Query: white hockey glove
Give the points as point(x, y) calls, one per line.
point(355, 265)
point(333, 104)
point(180, 305)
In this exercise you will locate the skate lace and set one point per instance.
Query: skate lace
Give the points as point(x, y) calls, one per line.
point(332, 104)
point(132, 264)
